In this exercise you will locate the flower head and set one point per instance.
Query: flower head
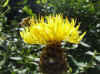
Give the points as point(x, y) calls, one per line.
point(50, 30)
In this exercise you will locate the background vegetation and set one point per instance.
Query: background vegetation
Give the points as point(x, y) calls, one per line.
point(17, 57)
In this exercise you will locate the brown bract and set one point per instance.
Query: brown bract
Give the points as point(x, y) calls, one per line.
point(52, 60)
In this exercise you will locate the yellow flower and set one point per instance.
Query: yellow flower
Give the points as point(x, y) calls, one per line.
point(50, 30)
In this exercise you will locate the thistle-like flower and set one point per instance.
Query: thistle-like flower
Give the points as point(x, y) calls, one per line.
point(51, 31)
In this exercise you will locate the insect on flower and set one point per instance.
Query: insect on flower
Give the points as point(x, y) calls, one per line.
point(25, 22)
point(51, 32)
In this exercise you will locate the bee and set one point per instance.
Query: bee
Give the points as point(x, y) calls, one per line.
point(22, 24)
point(25, 22)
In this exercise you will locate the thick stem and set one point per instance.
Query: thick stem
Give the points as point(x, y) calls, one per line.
point(52, 60)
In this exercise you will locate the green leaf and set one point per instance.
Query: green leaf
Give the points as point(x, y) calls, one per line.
point(97, 58)
point(16, 58)
point(28, 11)
point(6, 3)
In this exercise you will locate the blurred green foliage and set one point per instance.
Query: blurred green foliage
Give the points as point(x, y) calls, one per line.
point(17, 57)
